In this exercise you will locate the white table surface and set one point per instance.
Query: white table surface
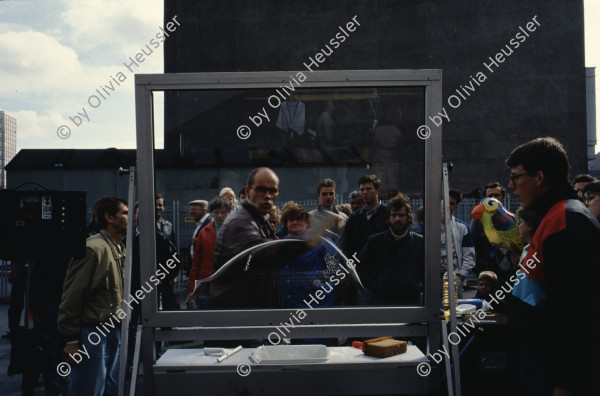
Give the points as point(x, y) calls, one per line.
point(338, 356)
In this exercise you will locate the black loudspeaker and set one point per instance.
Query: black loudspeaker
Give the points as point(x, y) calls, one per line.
point(42, 224)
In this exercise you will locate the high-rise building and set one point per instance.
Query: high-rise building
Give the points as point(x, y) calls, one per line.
point(8, 143)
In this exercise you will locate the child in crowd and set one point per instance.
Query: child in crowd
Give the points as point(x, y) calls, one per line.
point(528, 224)
point(487, 283)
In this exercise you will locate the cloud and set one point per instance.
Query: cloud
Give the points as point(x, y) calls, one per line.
point(124, 25)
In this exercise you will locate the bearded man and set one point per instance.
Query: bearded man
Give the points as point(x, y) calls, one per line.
point(391, 264)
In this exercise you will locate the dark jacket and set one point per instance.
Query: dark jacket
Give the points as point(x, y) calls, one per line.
point(358, 228)
point(563, 323)
point(393, 270)
point(251, 281)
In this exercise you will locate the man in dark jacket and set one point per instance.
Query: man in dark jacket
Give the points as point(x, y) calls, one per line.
point(391, 263)
point(249, 282)
point(369, 220)
point(552, 308)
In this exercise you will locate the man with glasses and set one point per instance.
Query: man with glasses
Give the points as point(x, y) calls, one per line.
point(591, 198)
point(559, 356)
point(327, 194)
point(249, 281)
point(489, 257)
point(462, 250)
point(581, 181)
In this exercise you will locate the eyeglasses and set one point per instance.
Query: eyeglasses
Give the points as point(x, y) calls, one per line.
point(330, 193)
point(587, 197)
point(264, 190)
point(515, 177)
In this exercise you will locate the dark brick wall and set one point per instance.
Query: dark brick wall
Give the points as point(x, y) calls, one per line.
point(538, 91)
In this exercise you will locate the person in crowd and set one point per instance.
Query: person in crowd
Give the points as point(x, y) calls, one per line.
point(419, 227)
point(308, 272)
point(592, 198)
point(391, 265)
point(462, 252)
point(274, 218)
point(166, 247)
point(345, 209)
point(92, 294)
point(17, 277)
point(250, 282)
point(356, 201)
point(202, 264)
point(487, 284)
point(561, 267)
point(201, 216)
point(488, 256)
point(243, 195)
point(581, 181)
point(369, 220)
point(227, 192)
point(283, 231)
point(326, 193)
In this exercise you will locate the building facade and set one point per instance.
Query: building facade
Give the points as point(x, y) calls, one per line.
point(8, 143)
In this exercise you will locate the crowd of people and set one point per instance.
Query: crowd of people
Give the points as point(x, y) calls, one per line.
point(262, 257)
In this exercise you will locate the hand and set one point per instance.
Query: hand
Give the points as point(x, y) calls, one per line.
point(70, 349)
point(193, 240)
point(462, 277)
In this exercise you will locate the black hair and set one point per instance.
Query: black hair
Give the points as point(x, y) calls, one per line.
point(219, 203)
point(542, 154)
point(493, 185)
point(370, 179)
point(108, 204)
point(529, 216)
point(457, 195)
point(584, 178)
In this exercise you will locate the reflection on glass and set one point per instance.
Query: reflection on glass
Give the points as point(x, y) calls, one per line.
point(287, 242)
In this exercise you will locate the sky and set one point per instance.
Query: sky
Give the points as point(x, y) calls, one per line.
point(54, 55)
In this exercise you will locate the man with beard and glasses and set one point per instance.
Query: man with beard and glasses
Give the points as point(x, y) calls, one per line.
point(391, 264)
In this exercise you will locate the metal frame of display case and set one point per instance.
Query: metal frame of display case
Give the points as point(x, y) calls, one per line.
point(353, 321)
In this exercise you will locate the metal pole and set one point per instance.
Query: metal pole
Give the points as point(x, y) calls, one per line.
point(451, 277)
point(127, 286)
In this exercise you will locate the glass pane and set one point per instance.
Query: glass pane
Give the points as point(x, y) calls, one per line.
point(213, 139)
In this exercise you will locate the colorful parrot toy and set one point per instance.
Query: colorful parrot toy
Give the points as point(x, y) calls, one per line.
point(500, 226)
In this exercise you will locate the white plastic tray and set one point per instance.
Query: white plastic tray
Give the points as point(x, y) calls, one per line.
point(286, 354)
